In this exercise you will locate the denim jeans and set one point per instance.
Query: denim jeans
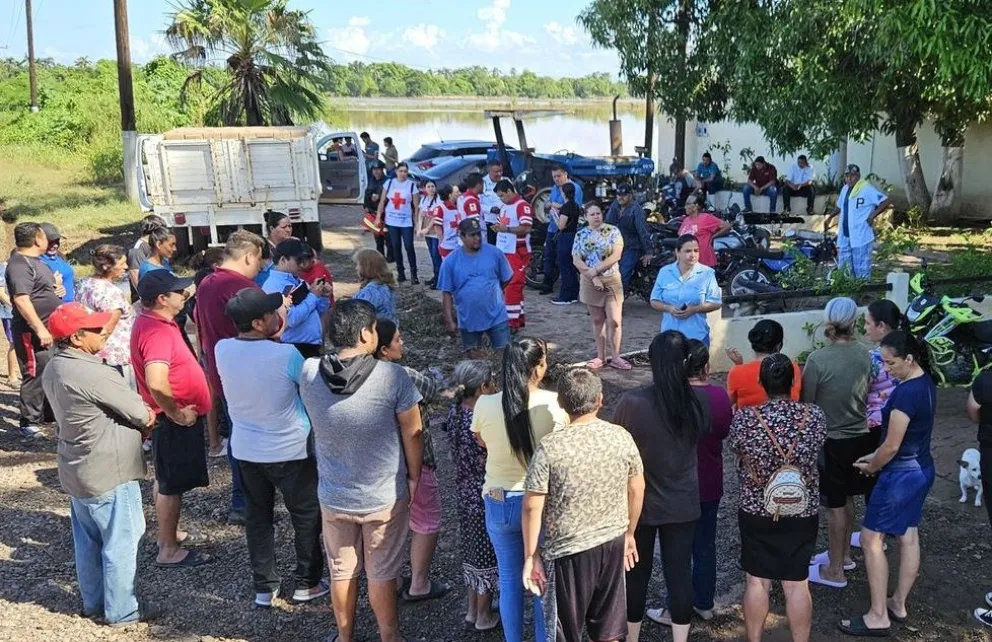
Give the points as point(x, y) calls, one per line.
point(550, 260)
point(704, 557)
point(499, 337)
point(628, 265)
point(771, 192)
point(224, 427)
point(402, 238)
point(569, 275)
point(506, 534)
point(432, 247)
point(106, 531)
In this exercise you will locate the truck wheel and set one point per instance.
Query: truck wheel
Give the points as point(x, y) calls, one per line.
point(182, 242)
point(313, 236)
point(540, 205)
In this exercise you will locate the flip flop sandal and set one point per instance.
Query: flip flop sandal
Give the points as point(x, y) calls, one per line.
point(856, 627)
point(594, 364)
point(621, 364)
point(824, 559)
point(436, 591)
point(193, 558)
point(895, 618)
point(816, 578)
point(495, 626)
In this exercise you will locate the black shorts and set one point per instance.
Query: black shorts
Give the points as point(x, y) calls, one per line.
point(179, 455)
point(777, 550)
point(839, 479)
point(589, 591)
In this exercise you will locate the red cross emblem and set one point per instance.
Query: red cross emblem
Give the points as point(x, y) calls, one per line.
point(397, 201)
point(455, 221)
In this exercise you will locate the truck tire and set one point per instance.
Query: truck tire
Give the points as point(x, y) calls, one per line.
point(313, 236)
point(182, 242)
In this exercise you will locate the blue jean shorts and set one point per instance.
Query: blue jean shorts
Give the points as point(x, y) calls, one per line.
point(499, 337)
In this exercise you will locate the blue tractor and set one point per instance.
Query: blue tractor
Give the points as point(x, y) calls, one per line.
point(597, 175)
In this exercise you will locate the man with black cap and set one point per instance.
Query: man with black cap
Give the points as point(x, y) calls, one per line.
point(472, 279)
point(270, 440)
point(373, 192)
point(64, 275)
point(101, 421)
point(303, 326)
point(858, 205)
point(35, 295)
point(628, 215)
point(172, 383)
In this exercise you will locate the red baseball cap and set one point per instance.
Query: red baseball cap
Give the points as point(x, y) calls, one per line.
point(70, 318)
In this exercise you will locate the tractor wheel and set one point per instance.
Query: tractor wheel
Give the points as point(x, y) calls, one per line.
point(540, 205)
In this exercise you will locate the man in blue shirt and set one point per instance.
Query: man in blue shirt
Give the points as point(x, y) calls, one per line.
point(60, 267)
point(303, 328)
point(708, 176)
point(556, 199)
point(858, 205)
point(628, 215)
point(472, 280)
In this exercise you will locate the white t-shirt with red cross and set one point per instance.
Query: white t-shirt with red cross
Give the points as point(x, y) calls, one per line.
point(399, 202)
point(516, 213)
point(469, 206)
point(447, 217)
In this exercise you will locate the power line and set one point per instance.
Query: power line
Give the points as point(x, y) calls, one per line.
point(13, 23)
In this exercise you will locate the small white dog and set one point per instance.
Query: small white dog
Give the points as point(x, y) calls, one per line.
point(971, 474)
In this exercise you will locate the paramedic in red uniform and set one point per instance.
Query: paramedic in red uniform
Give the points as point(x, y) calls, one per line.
point(516, 219)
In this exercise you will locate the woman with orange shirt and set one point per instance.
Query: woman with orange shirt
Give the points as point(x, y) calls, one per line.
point(745, 389)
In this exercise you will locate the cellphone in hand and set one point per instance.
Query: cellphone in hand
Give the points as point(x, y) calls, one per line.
point(286, 291)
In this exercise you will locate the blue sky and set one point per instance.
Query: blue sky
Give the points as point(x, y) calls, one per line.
point(541, 35)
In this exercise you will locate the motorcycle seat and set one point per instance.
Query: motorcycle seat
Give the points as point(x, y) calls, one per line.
point(980, 331)
point(760, 253)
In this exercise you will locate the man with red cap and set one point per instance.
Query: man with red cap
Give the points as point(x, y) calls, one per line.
point(101, 421)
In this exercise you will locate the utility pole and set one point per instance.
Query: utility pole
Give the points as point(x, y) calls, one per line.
point(32, 74)
point(128, 127)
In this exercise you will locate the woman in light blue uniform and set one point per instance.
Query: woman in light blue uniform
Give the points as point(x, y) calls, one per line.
point(685, 291)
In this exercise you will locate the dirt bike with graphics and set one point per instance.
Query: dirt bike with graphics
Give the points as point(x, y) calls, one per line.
point(958, 337)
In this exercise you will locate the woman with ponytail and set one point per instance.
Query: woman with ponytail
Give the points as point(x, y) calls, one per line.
point(472, 380)
point(905, 470)
point(510, 424)
point(666, 420)
point(881, 318)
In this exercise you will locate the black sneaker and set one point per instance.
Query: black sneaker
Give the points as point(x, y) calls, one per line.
point(401, 278)
point(984, 616)
point(415, 281)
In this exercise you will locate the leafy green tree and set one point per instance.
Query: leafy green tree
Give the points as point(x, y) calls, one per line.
point(275, 66)
point(875, 65)
point(660, 45)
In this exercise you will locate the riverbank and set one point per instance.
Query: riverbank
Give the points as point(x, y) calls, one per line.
point(463, 103)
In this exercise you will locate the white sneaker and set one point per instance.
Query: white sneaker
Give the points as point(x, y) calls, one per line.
point(823, 559)
point(265, 600)
point(984, 616)
point(661, 616)
point(34, 432)
point(221, 449)
point(705, 614)
point(307, 595)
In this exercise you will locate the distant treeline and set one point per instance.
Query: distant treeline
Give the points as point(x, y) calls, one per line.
point(394, 80)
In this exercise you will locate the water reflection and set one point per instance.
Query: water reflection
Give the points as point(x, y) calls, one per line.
point(583, 130)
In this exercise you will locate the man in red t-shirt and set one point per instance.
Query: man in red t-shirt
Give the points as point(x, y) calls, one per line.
point(172, 383)
point(242, 262)
point(762, 180)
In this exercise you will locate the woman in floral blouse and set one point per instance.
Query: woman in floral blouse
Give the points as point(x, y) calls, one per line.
point(101, 293)
point(479, 568)
point(595, 253)
point(774, 547)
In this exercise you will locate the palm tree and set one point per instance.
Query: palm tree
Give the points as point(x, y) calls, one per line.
point(275, 66)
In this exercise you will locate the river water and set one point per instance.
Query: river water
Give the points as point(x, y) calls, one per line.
point(583, 129)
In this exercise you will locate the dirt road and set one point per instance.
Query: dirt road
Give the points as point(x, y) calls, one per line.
point(38, 596)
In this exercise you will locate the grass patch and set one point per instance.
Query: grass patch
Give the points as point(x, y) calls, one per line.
point(39, 185)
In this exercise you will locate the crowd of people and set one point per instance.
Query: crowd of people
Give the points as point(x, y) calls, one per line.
point(558, 510)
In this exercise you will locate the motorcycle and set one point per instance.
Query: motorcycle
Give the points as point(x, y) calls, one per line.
point(958, 337)
point(761, 265)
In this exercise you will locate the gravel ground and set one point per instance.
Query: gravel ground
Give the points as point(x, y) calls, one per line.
point(39, 599)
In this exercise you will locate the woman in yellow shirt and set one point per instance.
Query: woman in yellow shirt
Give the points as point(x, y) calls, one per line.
point(511, 424)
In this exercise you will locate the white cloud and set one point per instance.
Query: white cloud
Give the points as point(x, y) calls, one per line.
point(351, 41)
point(144, 49)
point(561, 34)
point(423, 36)
point(493, 36)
